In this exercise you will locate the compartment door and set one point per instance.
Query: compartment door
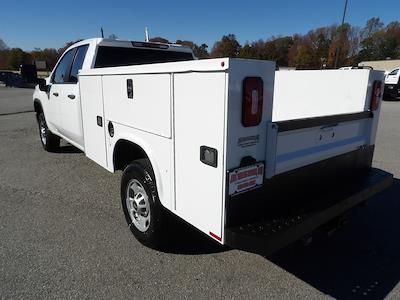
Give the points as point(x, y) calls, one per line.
point(94, 127)
point(199, 111)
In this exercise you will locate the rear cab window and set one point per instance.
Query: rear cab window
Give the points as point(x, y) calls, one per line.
point(78, 63)
point(108, 56)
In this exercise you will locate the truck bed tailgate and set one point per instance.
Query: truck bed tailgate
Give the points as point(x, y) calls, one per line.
point(306, 141)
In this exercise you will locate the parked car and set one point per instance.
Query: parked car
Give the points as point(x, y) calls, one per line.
point(392, 84)
point(10, 79)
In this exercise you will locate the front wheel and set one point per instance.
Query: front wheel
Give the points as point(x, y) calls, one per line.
point(142, 208)
point(50, 141)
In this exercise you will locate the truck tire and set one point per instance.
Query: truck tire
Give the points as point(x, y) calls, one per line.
point(50, 141)
point(142, 208)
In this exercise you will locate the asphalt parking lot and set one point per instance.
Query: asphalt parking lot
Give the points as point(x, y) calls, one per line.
point(63, 234)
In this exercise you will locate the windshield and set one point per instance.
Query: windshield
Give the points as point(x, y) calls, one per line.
point(121, 56)
point(394, 72)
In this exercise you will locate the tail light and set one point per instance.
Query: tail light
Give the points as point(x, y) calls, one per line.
point(252, 101)
point(376, 94)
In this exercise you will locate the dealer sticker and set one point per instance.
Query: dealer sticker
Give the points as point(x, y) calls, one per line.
point(246, 178)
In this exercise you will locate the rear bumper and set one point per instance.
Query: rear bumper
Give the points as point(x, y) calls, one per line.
point(292, 211)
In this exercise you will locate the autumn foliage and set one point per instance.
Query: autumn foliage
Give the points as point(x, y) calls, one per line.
point(324, 47)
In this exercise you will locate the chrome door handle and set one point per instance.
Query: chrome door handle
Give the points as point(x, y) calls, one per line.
point(71, 96)
point(55, 94)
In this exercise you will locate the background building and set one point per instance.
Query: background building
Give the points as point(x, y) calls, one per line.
point(382, 65)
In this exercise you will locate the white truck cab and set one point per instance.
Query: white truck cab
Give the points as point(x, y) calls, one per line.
point(222, 143)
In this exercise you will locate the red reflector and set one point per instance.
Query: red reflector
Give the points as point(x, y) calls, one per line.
point(215, 236)
point(376, 95)
point(252, 101)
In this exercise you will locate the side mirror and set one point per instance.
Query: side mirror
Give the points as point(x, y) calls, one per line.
point(42, 84)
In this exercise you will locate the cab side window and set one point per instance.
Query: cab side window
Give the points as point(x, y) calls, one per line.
point(61, 74)
point(78, 62)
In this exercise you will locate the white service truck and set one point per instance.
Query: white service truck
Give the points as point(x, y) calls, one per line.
point(249, 156)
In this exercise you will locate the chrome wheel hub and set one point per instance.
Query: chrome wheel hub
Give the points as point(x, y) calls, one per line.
point(42, 128)
point(137, 203)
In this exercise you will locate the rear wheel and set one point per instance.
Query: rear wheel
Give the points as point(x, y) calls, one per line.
point(50, 141)
point(142, 208)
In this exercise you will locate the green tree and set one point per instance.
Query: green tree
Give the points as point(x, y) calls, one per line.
point(247, 51)
point(228, 46)
point(159, 39)
point(304, 58)
point(392, 40)
point(4, 54)
point(18, 57)
point(49, 55)
point(344, 46)
point(255, 50)
point(199, 51)
point(278, 49)
point(379, 42)
point(373, 25)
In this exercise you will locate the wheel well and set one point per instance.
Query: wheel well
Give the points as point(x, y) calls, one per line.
point(38, 106)
point(126, 152)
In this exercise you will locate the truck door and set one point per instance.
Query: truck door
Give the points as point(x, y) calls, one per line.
point(57, 90)
point(70, 106)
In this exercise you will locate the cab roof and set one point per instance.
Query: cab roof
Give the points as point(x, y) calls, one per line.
point(134, 44)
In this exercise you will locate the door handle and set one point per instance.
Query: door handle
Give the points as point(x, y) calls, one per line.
point(71, 96)
point(55, 94)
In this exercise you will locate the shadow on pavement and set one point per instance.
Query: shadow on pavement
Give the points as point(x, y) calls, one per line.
point(185, 239)
point(360, 261)
point(68, 149)
point(388, 99)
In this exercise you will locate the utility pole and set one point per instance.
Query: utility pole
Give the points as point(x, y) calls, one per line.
point(340, 35)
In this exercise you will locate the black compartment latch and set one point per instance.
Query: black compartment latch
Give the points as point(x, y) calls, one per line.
point(209, 156)
point(99, 121)
point(129, 88)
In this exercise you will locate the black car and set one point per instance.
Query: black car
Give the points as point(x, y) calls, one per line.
point(11, 79)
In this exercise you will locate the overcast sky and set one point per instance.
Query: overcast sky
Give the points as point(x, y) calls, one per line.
point(44, 24)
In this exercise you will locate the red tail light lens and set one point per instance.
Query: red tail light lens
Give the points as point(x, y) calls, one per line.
point(252, 101)
point(376, 95)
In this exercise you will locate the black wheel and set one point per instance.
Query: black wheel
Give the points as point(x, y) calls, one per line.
point(50, 141)
point(142, 208)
